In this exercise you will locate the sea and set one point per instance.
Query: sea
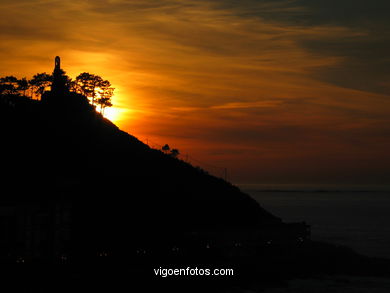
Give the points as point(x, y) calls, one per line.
point(351, 215)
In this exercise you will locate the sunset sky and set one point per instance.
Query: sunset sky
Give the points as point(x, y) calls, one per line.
point(282, 91)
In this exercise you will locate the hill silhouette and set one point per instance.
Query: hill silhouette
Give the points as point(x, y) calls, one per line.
point(79, 190)
point(113, 179)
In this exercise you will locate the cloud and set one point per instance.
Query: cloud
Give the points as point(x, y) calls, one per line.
point(261, 79)
point(243, 105)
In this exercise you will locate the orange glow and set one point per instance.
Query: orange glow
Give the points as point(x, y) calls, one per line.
point(113, 114)
point(262, 97)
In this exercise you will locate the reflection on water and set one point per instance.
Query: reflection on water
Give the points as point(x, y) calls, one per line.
point(355, 216)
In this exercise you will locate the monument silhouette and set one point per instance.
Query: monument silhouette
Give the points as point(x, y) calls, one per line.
point(58, 87)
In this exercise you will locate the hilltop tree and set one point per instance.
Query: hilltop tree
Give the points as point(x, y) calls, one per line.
point(72, 85)
point(23, 85)
point(105, 89)
point(104, 103)
point(92, 86)
point(9, 85)
point(88, 85)
point(40, 82)
point(105, 93)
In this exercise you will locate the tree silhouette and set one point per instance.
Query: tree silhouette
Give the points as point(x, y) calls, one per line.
point(105, 93)
point(175, 153)
point(105, 89)
point(23, 85)
point(172, 152)
point(40, 82)
point(89, 84)
point(9, 85)
point(104, 103)
point(92, 86)
point(165, 148)
point(72, 85)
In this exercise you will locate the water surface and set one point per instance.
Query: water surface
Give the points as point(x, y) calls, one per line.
point(356, 216)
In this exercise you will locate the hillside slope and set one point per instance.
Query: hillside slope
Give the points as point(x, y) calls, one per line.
point(117, 184)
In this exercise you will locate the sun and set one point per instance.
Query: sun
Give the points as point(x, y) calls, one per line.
point(113, 114)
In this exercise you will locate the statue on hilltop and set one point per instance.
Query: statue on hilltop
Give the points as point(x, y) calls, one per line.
point(58, 86)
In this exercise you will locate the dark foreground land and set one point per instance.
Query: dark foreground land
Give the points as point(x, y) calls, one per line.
point(87, 207)
point(318, 268)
